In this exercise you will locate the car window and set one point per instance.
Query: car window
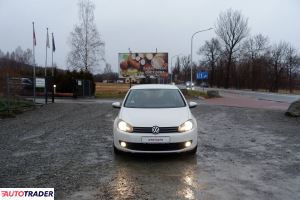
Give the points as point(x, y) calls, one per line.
point(154, 98)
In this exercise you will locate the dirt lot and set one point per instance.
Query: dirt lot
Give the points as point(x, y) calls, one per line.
point(243, 154)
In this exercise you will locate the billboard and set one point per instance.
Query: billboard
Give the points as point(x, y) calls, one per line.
point(141, 65)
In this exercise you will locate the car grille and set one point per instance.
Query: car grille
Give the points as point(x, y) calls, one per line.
point(155, 147)
point(149, 129)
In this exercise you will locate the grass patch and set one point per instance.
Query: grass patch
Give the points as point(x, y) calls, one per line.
point(110, 95)
point(12, 107)
point(118, 91)
point(111, 90)
point(193, 94)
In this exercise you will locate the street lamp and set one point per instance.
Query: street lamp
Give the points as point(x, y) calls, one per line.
point(172, 65)
point(192, 50)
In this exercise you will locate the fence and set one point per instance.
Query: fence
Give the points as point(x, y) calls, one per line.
point(15, 94)
point(83, 88)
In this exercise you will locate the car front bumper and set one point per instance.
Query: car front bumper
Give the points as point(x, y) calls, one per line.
point(134, 142)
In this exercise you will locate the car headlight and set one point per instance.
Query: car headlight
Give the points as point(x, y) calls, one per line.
point(124, 126)
point(186, 126)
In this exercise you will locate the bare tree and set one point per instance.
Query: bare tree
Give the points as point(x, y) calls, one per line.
point(277, 64)
point(211, 51)
point(186, 68)
point(108, 73)
point(24, 57)
point(253, 49)
point(7, 55)
point(1, 54)
point(176, 70)
point(12, 56)
point(107, 69)
point(86, 44)
point(292, 61)
point(28, 57)
point(232, 28)
point(19, 54)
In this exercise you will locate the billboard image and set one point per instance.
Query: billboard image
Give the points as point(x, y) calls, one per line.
point(141, 65)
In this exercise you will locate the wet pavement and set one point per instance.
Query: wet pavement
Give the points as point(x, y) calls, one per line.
point(268, 96)
point(243, 153)
point(246, 101)
point(264, 96)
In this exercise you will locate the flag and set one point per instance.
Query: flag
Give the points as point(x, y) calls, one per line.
point(47, 42)
point(33, 36)
point(53, 43)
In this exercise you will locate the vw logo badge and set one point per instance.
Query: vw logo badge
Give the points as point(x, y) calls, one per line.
point(155, 129)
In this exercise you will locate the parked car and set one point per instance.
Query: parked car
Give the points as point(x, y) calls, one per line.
point(155, 119)
point(204, 84)
point(189, 85)
point(26, 84)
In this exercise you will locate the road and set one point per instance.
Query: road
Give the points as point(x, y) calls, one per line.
point(243, 153)
point(262, 99)
point(249, 99)
point(284, 98)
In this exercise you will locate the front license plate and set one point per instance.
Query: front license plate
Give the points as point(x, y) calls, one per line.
point(155, 139)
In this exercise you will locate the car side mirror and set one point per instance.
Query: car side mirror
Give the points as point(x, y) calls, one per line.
point(192, 104)
point(116, 105)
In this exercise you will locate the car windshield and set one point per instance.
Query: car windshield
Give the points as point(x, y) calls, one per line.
point(154, 98)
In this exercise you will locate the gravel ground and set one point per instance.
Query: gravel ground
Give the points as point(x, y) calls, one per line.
point(243, 153)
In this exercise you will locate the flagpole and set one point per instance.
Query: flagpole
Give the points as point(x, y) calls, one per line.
point(52, 81)
point(46, 54)
point(47, 43)
point(52, 57)
point(33, 52)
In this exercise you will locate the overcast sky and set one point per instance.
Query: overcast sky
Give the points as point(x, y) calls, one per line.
point(141, 25)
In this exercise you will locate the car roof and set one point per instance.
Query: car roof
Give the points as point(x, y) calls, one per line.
point(154, 86)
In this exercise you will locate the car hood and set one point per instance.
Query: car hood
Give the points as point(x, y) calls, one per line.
point(163, 117)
